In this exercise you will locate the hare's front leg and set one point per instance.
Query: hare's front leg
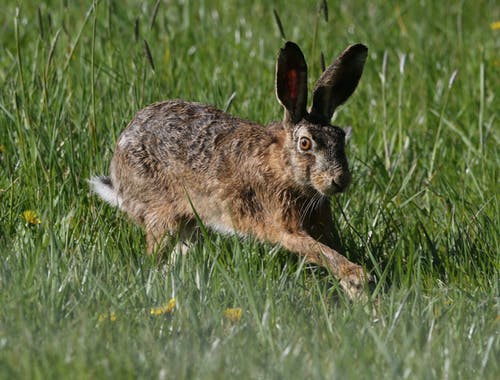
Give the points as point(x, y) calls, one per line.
point(352, 276)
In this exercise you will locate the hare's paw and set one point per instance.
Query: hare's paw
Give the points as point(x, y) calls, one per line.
point(355, 282)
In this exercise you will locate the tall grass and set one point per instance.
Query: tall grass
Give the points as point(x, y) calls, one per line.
point(76, 289)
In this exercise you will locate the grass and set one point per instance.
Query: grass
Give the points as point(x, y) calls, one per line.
point(76, 289)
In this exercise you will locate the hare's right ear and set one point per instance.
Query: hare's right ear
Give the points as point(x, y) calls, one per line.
point(291, 82)
point(338, 81)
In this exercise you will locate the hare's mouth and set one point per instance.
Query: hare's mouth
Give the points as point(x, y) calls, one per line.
point(331, 184)
point(336, 188)
point(328, 188)
point(332, 188)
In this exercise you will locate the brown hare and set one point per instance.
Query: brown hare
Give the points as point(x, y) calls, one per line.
point(179, 160)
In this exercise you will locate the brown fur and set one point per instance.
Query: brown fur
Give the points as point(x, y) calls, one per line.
point(176, 158)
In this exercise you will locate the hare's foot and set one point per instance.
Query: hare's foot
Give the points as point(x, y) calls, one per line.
point(183, 247)
point(354, 281)
point(188, 236)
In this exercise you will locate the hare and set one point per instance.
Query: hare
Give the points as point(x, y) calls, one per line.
point(178, 161)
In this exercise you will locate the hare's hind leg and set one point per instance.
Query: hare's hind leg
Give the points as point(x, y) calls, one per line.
point(159, 228)
point(155, 238)
point(188, 235)
point(158, 231)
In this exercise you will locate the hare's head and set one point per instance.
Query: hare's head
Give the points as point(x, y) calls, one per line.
point(317, 148)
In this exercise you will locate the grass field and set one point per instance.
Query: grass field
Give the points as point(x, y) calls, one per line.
point(80, 299)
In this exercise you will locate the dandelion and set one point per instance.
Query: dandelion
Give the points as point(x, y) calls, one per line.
point(166, 309)
point(31, 218)
point(495, 25)
point(107, 317)
point(233, 314)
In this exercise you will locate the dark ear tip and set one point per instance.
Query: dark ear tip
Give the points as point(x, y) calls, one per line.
point(358, 49)
point(355, 53)
point(289, 45)
point(292, 53)
point(360, 46)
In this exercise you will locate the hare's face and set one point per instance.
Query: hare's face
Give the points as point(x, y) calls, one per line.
point(318, 157)
point(317, 148)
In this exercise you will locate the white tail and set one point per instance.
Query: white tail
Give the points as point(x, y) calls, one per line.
point(103, 187)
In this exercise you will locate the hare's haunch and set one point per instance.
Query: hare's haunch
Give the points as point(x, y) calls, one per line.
point(177, 159)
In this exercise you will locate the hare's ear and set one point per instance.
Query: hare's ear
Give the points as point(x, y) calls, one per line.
point(338, 81)
point(291, 82)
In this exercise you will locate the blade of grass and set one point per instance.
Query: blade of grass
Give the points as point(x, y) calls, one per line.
point(89, 12)
point(279, 24)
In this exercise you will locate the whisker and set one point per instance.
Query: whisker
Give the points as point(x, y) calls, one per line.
point(304, 210)
point(312, 203)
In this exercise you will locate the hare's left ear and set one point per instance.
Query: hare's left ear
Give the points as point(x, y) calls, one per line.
point(338, 81)
point(291, 82)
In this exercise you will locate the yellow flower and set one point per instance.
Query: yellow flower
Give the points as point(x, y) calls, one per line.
point(495, 25)
point(233, 314)
point(107, 317)
point(30, 217)
point(166, 309)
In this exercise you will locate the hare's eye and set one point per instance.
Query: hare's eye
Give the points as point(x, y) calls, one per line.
point(305, 143)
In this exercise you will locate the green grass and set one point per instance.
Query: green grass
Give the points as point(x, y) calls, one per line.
point(422, 212)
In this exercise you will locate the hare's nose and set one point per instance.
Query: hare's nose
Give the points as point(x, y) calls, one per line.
point(341, 181)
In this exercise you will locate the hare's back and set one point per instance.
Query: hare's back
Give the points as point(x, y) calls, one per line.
point(175, 132)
